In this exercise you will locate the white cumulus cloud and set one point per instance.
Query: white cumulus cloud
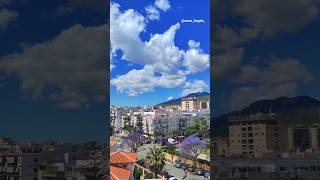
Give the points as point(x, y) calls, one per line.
point(153, 13)
point(165, 64)
point(193, 87)
point(194, 59)
point(164, 5)
point(72, 62)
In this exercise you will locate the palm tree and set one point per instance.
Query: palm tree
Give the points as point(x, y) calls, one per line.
point(155, 160)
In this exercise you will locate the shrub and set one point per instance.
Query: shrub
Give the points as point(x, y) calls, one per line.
point(148, 175)
point(137, 172)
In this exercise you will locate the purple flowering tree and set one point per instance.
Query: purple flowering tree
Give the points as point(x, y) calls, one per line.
point(134, 140)
point(191, 147)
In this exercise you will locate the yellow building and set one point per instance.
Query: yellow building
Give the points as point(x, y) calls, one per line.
point(192, 104)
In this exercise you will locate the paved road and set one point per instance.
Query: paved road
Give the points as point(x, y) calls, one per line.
point(173, 171)
point(179, 173)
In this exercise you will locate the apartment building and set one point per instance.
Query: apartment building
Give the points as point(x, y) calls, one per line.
point(119, 117)
point(167, 123)
point(189, 104)
point(302, 137)
point(220, 147)
point(315, 137)
point(193, 104)
point(255, 135)
point(19, 166)
point(135, 116)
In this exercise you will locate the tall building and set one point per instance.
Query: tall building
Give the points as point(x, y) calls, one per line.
point(255, 135)
point(315, 137)
point(303, 137)
point(193, 104)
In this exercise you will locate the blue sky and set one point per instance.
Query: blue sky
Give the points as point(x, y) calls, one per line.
point(138, 79)
point(47, 88)
point(264, 50)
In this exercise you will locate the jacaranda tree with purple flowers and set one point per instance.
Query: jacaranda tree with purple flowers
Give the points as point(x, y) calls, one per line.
point(191, 147)
point(134, 140)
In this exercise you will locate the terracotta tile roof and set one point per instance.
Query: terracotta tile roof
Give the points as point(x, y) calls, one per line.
point(123, 157)
point(119, 173)
point(113, 142)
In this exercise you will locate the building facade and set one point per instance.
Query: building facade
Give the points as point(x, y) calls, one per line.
point(256, 135)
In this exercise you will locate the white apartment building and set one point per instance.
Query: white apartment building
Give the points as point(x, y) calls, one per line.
point(119, 117)
point(165, 122)
point(134, 117)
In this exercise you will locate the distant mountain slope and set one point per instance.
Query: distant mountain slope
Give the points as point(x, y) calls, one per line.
point(198, 95)
point(282, 105)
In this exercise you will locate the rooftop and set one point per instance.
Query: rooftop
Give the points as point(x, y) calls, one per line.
point(119, 173)
point(120, 157)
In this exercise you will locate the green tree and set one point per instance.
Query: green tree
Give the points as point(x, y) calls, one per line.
point(129, 128)
point(199, 128)
point(155, 160)
point(189, 131)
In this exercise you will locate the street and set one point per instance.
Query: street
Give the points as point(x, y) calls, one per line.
point(173, 171)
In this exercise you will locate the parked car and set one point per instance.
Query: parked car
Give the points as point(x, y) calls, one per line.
point(207, 175)
point(184, 166)
point(176, 161)
point(190, 168)
point(173, 178)
point(178, 165)
point(198, 172)
point(164, 173)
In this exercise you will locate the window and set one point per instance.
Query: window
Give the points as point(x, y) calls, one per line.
point(249, 128)
point(35, 170)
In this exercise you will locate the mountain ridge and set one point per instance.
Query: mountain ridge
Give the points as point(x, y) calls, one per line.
point(280, 105)
point(198, 95)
